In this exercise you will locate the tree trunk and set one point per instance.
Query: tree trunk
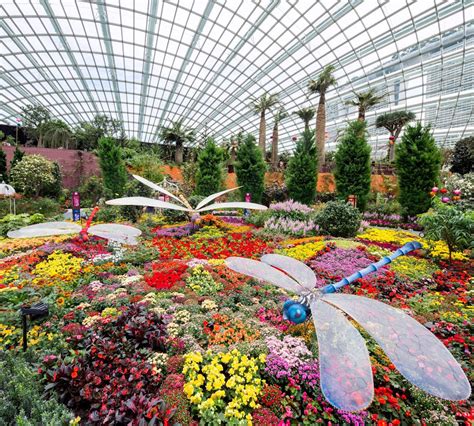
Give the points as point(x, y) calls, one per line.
point(261, 133)
point(321, 130)
point(361, 114)
point(178, 154)
point(275, 147)
point(306, 125)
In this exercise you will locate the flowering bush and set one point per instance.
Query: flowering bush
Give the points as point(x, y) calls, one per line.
point(221, 330)
point(201, 281)
point(226, 383)
point(32, 175)
point(57, 267)
point(305, 251)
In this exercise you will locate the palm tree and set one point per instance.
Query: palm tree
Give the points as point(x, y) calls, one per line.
point(260, 106)
point(306, 114)
point(280, 114)
point(56, 133)
point(394, 123)
point(320, 86)
point(179, 134)
point(365, 101)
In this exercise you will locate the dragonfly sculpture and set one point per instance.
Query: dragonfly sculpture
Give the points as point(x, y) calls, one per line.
point(345, 369)
point(184, 204)
point(111, 231)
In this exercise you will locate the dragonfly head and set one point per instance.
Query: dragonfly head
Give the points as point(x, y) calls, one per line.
point(295, 312)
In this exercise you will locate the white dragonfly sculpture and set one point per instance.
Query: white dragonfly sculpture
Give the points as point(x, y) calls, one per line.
point(345, 369)
point(122, 234)
point(184, 205)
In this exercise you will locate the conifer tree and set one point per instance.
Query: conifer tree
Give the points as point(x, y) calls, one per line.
point(301, 175)
point(209, 169)
point(352, 172)
point(17, 157)
point(250, 169)
point(418, 162)
point(3, 166)
point(112, 166)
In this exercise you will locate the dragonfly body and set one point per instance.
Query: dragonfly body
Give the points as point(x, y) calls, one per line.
point(345, 368)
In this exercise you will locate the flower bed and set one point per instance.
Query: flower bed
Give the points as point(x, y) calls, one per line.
point(165, 332)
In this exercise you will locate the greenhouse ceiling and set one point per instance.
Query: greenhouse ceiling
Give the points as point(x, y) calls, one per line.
point(152, 62)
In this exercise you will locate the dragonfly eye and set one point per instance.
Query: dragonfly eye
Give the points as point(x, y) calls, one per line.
point(294, 312)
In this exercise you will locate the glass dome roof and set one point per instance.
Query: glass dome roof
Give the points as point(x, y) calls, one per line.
point(151, 62)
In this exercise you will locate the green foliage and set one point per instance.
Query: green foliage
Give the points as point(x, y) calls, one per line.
point(91, 190)
point(306, 115)
point(450, 225)
point(46, 206)
point(189, 170)
point(32, 175)
point(87, 134)
point(21, 396)
point(301, 175)
point(352, 172)
point(259, 217)
point(35, 118)
point(417, 162)
point(11, 222)
point(57, 133)
point(17, 157)
point(147, 165)
point(54, 189)
point(178, 134)
point(394, 121)
point(462, 161)
point(112, 167)
point(209, 172)
point(3, 166)
point(339, 219)
point(133, 188)
point(250, 169)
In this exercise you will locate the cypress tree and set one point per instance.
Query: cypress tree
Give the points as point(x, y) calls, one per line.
point(112, 166)
point(301, 175)
point(418, 162)
point(463, 156)
point(250, 169)
point(352, 172)
point(209, 169)
point(3, 166)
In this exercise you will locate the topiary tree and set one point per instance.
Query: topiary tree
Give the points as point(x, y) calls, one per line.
point(302, 172)
point(32, 175)
point(209, 169)
point(112, 166)
point(339, 219)
point(462, 160)
point(3, 166)
point(17, 157)
point(250, 169)
point(418, 164)
point(394, 123)
point(352, 172)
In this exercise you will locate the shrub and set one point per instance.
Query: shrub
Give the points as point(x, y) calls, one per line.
point(450, 225)
point(91, 190)
point(17, 157)
point(21, 396)
point(3, 166)
point(54, 189)
point(339, 219)
point(209, 169)
point(462, 161)
point(352, 172)
point(465, 183)
point(32, 175)
point(11, 221)
point(417, 162)
point(146, 164)
point(274, 193)
point(301, 175)
point(250, 169)
point(133, 188)
point(112, 167)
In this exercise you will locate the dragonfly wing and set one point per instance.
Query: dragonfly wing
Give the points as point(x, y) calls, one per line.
point(264, 272)
point(416, 352)
point(45, 229)
point(346, 373)
point(156, 187)
point(116, 232)
point(145, 202)
point(236, 205)
point(294, 268)
point(213, 197)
